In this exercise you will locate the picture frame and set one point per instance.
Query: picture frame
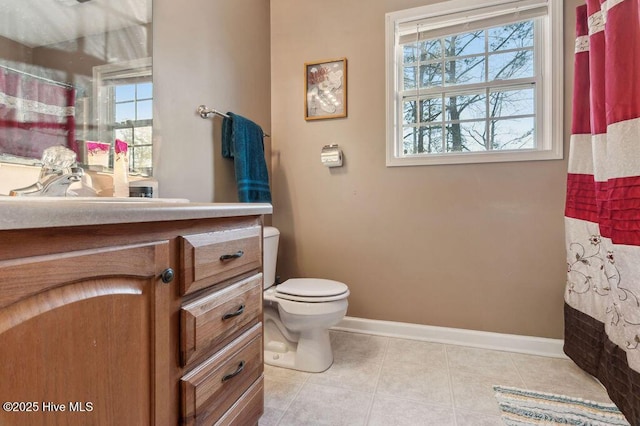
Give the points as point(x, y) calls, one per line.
point(325, 89)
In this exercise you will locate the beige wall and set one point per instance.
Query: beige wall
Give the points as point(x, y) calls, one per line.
point(214, 53)
point(477, 246)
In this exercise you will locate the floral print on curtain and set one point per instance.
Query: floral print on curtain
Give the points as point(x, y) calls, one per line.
point(34, 114)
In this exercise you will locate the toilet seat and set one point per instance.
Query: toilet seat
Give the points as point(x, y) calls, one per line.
point(313, 290)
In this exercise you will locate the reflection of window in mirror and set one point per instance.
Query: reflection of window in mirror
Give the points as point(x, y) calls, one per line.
point(124, 104)
point(133, 122)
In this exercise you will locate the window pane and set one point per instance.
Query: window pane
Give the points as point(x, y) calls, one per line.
point(143, 136)
point(432, 138)
point(431, 109)
point(465, 137)
point(409, 53)
point(422, 140)
point(512, 102)
point(505, 66)
point(468, 106)
point(431, 75)
point(125, 111)
point(145, 111)
point(145, 91)
point(125, 92)
point(430, 50)
point(409, 140)
point(125, 135)
point(465, 44)
point(142, 157)
point(465, 71)
point(409, 78)
point(409, 112)
point(512, 36)
point(513, 134)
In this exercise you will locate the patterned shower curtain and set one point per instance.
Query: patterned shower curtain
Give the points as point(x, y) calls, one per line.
point(602, 216)
point(35, 114)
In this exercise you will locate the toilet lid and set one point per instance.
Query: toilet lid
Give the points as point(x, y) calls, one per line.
point(311, 287)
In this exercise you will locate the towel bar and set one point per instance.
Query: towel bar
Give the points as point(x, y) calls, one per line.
point(207, 112)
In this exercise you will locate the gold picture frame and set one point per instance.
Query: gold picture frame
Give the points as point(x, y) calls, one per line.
point(325, 89)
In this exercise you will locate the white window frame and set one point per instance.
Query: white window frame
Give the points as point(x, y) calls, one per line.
point(104, 77)
point(549, 99)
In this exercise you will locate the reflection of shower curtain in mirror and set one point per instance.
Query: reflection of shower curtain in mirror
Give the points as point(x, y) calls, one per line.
point(602, 216)
point(34, 114)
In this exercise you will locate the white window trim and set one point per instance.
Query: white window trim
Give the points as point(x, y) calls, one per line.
point(103, 77)
point(550, 113)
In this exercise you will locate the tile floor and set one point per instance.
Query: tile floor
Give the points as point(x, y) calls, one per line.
point(392, 382)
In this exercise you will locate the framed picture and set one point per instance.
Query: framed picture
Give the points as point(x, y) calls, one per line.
point(325, 89)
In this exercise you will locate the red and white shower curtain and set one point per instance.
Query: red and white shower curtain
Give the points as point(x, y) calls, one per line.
point(602, 216)
point(34, 114)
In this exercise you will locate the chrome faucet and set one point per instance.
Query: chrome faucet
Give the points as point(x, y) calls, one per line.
point(59, 171)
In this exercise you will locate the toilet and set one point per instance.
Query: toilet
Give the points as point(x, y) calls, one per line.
point(298, 314)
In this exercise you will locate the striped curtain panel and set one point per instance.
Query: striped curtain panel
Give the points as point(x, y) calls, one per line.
point(602, 216)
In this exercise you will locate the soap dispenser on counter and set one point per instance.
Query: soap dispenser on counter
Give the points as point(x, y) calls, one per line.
point(121, 169)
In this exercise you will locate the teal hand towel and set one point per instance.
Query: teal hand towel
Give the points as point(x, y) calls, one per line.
point(242, 140)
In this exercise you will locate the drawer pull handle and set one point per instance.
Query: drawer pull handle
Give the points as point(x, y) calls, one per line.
point(233, 314)
point(235, 255)
point(235, 373)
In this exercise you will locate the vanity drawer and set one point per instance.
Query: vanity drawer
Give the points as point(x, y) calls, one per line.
point(214, 387)
point(249, 407)
point(212, 257)
point(213, 318)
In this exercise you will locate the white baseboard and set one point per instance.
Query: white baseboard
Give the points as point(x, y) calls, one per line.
point(455, 336)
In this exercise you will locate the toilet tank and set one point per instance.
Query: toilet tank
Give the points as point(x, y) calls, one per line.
point(270, 248)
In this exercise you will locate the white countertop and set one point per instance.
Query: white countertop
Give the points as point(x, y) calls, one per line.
point(42, 212)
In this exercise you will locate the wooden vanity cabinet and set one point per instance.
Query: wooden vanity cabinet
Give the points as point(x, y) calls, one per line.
point(80, 336)
point(93, 330)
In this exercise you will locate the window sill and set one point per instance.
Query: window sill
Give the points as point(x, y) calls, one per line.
point(471, 158)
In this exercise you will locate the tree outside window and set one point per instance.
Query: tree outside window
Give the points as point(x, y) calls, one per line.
point(464, 117)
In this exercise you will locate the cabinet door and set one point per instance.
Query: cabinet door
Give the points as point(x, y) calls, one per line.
point(84, 337)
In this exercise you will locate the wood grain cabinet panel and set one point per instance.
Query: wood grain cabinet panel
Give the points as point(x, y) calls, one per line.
point(247, 409)
point(83, 335)
point(211, 319)
point(215, 386)
point(212, 257)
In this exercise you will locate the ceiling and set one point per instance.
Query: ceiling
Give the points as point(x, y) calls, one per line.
point(35, 23)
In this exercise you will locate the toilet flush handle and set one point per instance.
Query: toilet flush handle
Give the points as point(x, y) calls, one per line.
point(235, 255)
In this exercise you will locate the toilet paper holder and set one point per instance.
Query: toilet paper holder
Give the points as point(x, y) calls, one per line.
point(331, 155)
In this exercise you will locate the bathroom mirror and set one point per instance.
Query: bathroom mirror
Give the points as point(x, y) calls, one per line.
point(76, 73)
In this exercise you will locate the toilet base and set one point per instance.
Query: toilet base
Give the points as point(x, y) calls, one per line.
point(312, 353)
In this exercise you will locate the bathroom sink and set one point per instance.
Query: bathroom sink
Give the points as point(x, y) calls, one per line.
point(96, 199)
